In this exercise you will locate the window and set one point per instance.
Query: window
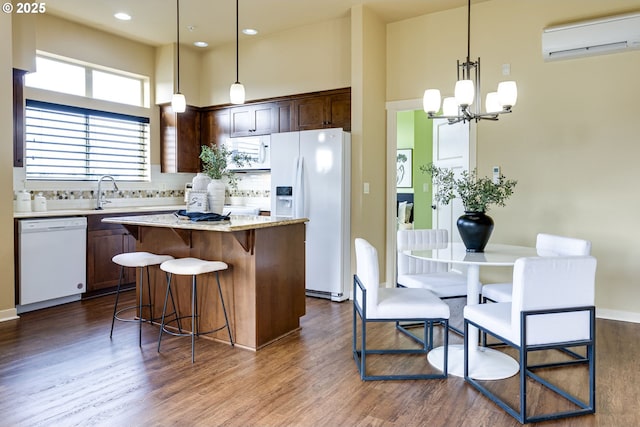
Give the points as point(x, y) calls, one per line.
point(91, 81)
point(72, 143)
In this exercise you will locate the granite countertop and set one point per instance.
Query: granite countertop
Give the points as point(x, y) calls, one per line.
point(236, 222)
point(84, 212)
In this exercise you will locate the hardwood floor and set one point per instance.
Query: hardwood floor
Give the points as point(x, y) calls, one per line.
point(58, 367)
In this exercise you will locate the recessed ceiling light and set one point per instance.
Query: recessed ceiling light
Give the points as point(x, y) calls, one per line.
point(201, 44)
point(250, 31)
point(122, 16)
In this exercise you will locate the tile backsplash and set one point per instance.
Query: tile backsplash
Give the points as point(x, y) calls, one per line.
point(164, 189)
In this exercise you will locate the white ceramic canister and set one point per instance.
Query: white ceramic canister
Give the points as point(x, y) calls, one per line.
point(200, 182)
point(215, 195)
point(39, 203)
point(23, 201)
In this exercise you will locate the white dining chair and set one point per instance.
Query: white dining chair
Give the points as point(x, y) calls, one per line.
point(438, 277)
point(552, 308)
point(372, 303)
point(546, 245)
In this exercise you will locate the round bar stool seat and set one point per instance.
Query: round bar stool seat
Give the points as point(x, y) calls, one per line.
point(192, 267)
point(136, 260)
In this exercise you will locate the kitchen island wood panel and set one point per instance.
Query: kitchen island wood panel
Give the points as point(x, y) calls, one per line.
point(264, 287)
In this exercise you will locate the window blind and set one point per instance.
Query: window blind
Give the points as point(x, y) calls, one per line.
point(79, 144)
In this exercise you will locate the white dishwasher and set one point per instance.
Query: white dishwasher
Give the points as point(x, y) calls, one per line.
point(53, 262)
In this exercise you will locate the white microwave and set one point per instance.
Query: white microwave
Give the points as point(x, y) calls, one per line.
point(256, 147)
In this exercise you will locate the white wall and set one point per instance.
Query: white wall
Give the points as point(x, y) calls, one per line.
point(572, 141)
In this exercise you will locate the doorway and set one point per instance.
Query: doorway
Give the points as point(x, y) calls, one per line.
point(442, 133)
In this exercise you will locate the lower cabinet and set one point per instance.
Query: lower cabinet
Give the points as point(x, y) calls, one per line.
point(104, 241)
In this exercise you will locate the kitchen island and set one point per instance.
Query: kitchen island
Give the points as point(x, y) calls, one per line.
point(264, 287)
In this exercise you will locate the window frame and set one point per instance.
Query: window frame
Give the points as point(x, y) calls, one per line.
point(89, 113)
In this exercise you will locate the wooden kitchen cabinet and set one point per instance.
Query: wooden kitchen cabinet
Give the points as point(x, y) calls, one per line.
point(215, 126)
point(254, 119)
point(179, 140)
point(104, 241)
point(329, 110)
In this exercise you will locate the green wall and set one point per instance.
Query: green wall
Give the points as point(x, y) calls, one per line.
point(415, 131)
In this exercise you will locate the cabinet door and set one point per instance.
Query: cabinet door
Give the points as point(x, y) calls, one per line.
point(285, 116)
point(257, 119)
point(179, 140)
point(215, 126)
point(102, 245)
point(339, 111)
point(310, 113)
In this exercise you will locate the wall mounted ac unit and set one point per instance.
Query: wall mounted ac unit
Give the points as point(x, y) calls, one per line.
point(594, 37)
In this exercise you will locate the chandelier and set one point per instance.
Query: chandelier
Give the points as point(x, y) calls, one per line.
point(461, 106)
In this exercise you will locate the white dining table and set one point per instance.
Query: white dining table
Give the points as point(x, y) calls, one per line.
point(484, 363)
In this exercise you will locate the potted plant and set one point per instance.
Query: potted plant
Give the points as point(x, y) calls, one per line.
point(215, 161)
point(476, 194)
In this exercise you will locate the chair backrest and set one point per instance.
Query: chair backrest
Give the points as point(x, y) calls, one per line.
point(541, 283)
point(551, 245)
point(408, 240)
point(367, 271)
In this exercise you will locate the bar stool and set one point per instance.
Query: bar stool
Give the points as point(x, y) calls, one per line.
point(134, 260)
point(192, 267)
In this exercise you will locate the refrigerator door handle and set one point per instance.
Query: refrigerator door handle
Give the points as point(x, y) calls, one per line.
point(298, 189)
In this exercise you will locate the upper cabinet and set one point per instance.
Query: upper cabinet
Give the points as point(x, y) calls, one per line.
point(330, 109)
point(215, 126)
point(179, 140)
point(182, 134)
point(254, 119)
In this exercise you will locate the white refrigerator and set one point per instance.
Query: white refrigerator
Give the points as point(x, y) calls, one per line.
point(311, 178)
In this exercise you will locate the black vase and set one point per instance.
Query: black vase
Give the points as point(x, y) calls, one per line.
point(475, 229)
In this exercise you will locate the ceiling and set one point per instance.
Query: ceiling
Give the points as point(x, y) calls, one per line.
point(213, 21)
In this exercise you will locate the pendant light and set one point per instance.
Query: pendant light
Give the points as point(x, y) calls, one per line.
point(467, 91)
point(236, 92)
point(178, 101)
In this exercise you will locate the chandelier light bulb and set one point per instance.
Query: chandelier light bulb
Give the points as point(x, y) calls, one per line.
point(464, 92)
point(449, 107)
point(507, 94)
point(492, 104)
point(431, 101)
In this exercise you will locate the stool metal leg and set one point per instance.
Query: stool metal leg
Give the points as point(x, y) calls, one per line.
point(149, 295)
point(224, 310)
point(194, 315)
point(164, 310)
point(140, 307)
point(173, 303)
point(115, 306)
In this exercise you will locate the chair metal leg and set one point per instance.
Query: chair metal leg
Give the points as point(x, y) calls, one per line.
point(115, 306)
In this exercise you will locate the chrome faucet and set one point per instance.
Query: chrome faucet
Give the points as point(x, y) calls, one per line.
point(100, 199)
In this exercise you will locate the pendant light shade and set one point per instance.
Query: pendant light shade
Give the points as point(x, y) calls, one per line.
point(236, 92)
point(178, 101)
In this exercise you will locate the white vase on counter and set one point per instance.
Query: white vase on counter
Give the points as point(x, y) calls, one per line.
point(200, 182)
point(215, 195)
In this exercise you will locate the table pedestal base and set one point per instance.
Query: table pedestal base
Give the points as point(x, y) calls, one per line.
point(484, 363)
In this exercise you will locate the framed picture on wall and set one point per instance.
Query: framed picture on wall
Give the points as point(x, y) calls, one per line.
point(404, 177)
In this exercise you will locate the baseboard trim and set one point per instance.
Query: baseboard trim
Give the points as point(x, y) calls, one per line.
point(8, 314)
point(623, 316)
